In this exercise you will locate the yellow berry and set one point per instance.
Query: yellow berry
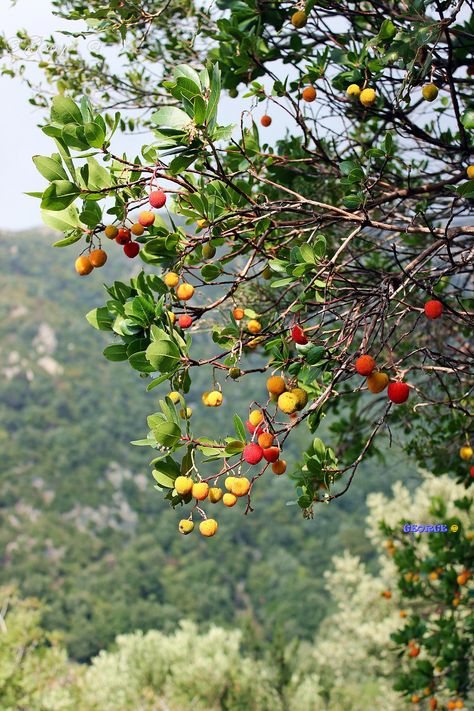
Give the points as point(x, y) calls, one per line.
point(288, 403)
point(229, 500)
point(200, 491)
point(183, 485)
point(470, 172)
point(241, 486)
point(301, 397)
point(229, 482)
point(171, 279)
point(429, 92)
point(376, 382)
point(255, 417)
point(299, 19)
point(215, 494)
point(254, 326)
point(214, 399)
point(353, 91)
point(208, 527)
point(465, 453)
point(367, 97)
point(111, 231)
point(174, 396)
point(185, 291)
point(186, 526)
point(186, 414)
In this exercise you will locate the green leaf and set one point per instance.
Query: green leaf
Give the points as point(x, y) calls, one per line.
point(59, 195)
point(64, 110)
point(67, 241)
point(50, 168)
point(95, 134)
point(62, 220)
point(117, 352)
point(139, 362)
point(239, 428)
point(171, 117)
point(167, 434)
point(99, 177)
point(467, 119)
point(163, 355)
point(100, 319)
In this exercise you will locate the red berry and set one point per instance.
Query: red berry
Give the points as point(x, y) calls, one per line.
point(253, 453)
point(254, 429)
point(433, 309)
point(271, 454)
point(123, 236)
point(471, 472)
point(365, 364)
point(157, 199)
point(185, 321)
point(398, 392)
point(298, 335)
point(131, 249)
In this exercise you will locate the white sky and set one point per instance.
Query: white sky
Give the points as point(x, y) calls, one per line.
point(20, 137)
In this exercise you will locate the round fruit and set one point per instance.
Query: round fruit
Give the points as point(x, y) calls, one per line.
point(254, 326)
point(98, 258)
point(299, 19)
point(353, 91)
point(83, 265)
point(255, 417)
point(309, 94)
point(367, 97)
point(157, 199)
point(254, 429)
point(271, 454)
point(302, 397)
point(279, 467)
point(131, 249)
point(429, 92)
point(238, 314)
point(253, 453)
point(233, 93)
point(214, 399)
point(208, 251)
point(398, 392)
point(201, 224)
point(465, 453)
point(185, 291)
point(171, 279)
point(111, 231)
point(183, 485)
point(265, 439)
point(470, 172)
point(471, 472)
point(266, 120)
point(414, 652)
point(186, 526)
point(365, 364)
point(204, 398)
point(241, 486)
point(462, 579)
point(235, 373)
point(185, 321)
point(200, 491)
point(229, 500)
point(146, 218)
point(186, 414)
point(137, 229)
point(123, 236)
point(433, 309)
point(215, 494)
point(276, 385)
point(298, 335)
point(376, 382)
point(208, 527)
point(229, 482)
point(288, 403)
point(415, 698)
point(174, 396)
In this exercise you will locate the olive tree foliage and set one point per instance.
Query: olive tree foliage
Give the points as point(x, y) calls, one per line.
point(357, 216)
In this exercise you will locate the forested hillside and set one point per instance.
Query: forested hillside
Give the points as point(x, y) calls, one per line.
point(82, 527)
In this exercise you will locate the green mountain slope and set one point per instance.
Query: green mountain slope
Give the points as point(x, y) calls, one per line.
point(81, 524)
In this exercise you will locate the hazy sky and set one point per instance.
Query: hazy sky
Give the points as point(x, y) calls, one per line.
point(19, 136)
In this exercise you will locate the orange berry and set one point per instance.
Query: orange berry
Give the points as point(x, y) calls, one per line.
point(279, 467)
point(137, 229)
point(276, 385)
point(254, 326)
point(98, 258)
point(83, 265)
point(376, 382)
point(111, 231)
point(238, 314)
point(364, 365)
point(265, 440)
point(185, 291)
point(309, 94)
point(200, 491)
point(146, 218)
point(171, 279)
point(266, 120)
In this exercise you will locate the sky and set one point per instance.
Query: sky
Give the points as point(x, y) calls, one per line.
point(20, 137)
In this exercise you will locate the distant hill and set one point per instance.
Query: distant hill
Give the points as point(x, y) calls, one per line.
point(81, 524)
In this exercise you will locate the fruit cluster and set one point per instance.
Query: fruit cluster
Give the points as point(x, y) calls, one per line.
point(122, 235)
